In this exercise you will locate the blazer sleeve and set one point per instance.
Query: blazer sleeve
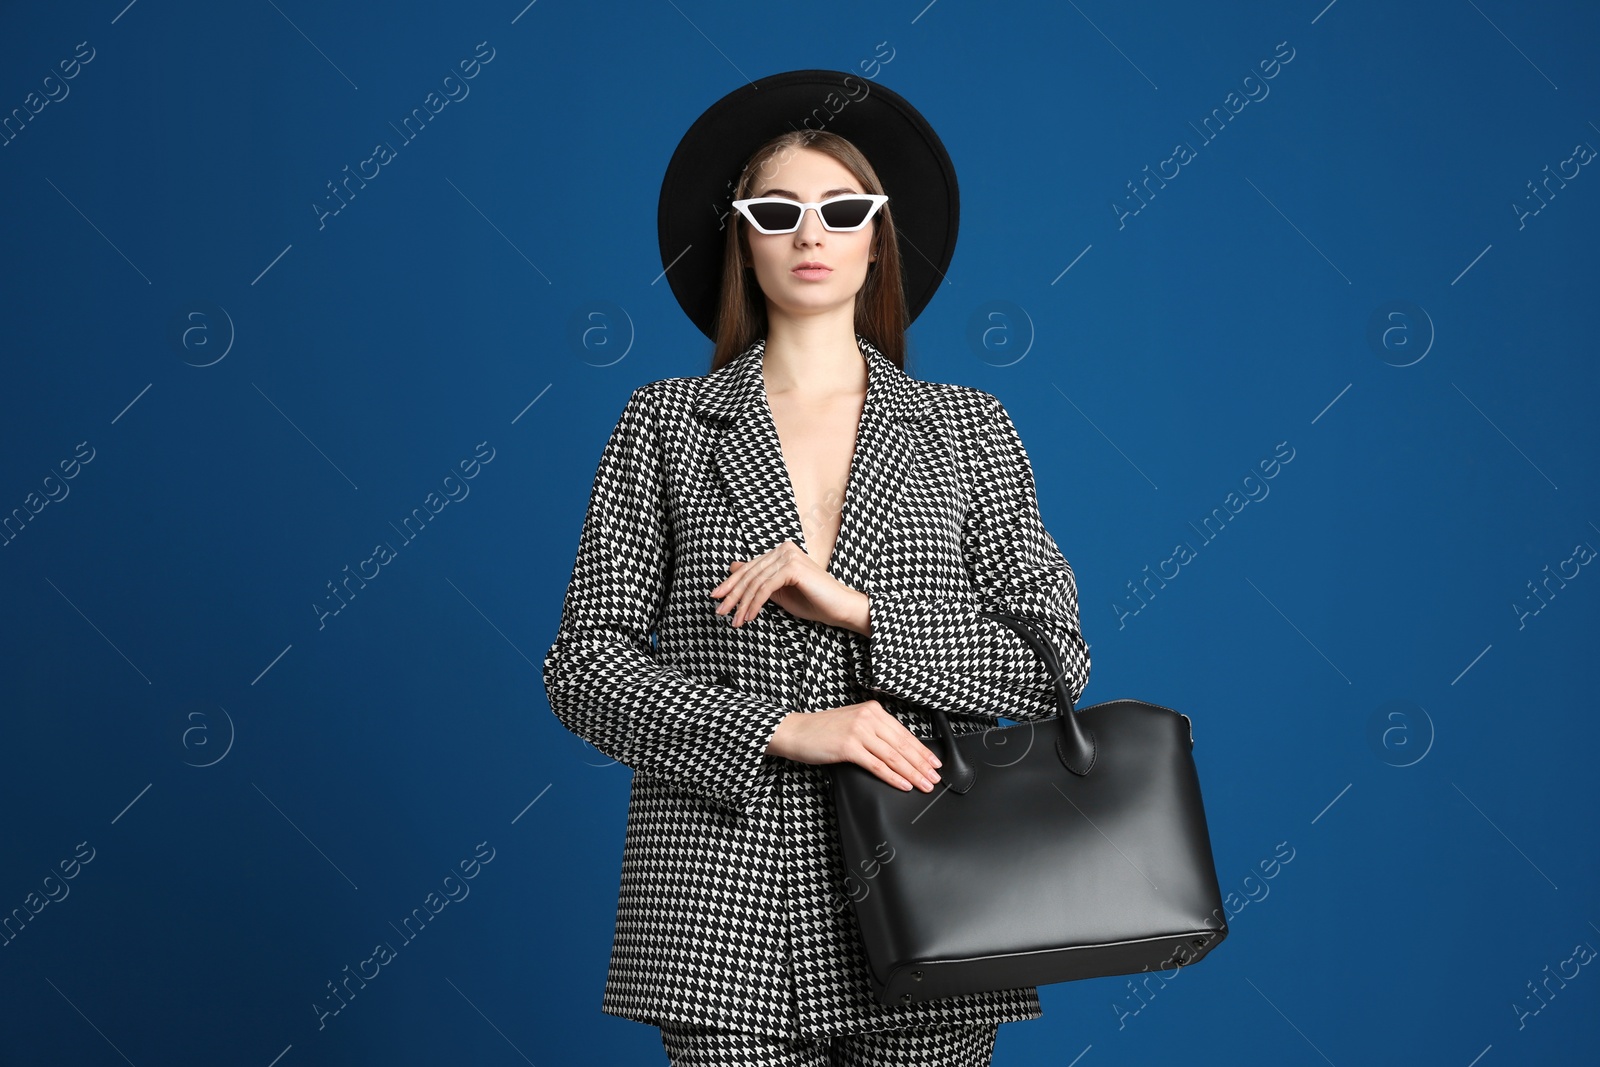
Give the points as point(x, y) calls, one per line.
point(603, 675)
point(935, 651)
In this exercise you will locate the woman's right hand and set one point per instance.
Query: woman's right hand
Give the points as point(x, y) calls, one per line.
point(862, 733)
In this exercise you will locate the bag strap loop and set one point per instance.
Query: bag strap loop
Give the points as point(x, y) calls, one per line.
point(1075, 746)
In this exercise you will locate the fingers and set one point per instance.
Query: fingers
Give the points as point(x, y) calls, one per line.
point(748, 588)
point(864, 734)
point(745, 592)
point(904, 779)
point(731, 591)
point(900, 758)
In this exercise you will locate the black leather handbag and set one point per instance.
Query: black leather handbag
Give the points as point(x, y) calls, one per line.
point(1053, 850)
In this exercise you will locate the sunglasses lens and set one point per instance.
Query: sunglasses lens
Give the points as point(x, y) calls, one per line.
point(775, 216)
point(847, 212)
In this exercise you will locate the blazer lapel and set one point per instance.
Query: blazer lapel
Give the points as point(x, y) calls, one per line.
point(749, 460)
point(749, 457)
point(883, 464)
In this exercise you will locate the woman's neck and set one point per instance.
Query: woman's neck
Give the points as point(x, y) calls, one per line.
point(813, 358)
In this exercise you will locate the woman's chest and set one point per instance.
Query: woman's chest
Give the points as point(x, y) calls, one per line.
point(732, 495)
point(818, 444)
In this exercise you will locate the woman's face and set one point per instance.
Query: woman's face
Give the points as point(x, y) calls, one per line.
point(807, 175)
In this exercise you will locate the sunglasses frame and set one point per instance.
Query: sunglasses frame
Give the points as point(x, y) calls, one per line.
point(743, 207)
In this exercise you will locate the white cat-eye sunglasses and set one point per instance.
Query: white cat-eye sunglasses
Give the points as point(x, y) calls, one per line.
point(841, 214)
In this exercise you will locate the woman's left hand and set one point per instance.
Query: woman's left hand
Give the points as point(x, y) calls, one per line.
point(791, 579)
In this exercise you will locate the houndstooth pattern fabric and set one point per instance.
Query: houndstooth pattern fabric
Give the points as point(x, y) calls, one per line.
point(732, 911)
point(934, 1046)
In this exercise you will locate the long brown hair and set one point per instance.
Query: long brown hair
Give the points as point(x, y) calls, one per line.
point(881, 302)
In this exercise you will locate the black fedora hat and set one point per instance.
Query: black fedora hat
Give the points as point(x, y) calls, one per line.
point(910, 160)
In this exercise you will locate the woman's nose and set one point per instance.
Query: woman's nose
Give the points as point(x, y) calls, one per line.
point(810, 223)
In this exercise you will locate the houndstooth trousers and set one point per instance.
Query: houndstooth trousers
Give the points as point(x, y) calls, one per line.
point(924, 1046)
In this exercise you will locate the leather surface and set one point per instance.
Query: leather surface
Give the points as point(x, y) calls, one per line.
point(1036, 874)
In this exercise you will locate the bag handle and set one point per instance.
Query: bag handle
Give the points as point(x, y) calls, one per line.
point(1075, 746)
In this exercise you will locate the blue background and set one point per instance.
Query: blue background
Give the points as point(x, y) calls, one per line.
point(1350, 267)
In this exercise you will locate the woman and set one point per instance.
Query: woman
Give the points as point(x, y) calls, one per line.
point(780, 568)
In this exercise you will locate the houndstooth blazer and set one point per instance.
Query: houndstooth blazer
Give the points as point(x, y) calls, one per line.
point(733, 909)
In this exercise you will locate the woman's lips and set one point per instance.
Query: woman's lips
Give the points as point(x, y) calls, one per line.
point(811, 273)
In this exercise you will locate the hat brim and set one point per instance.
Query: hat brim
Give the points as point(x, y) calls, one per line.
point(698, 188)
